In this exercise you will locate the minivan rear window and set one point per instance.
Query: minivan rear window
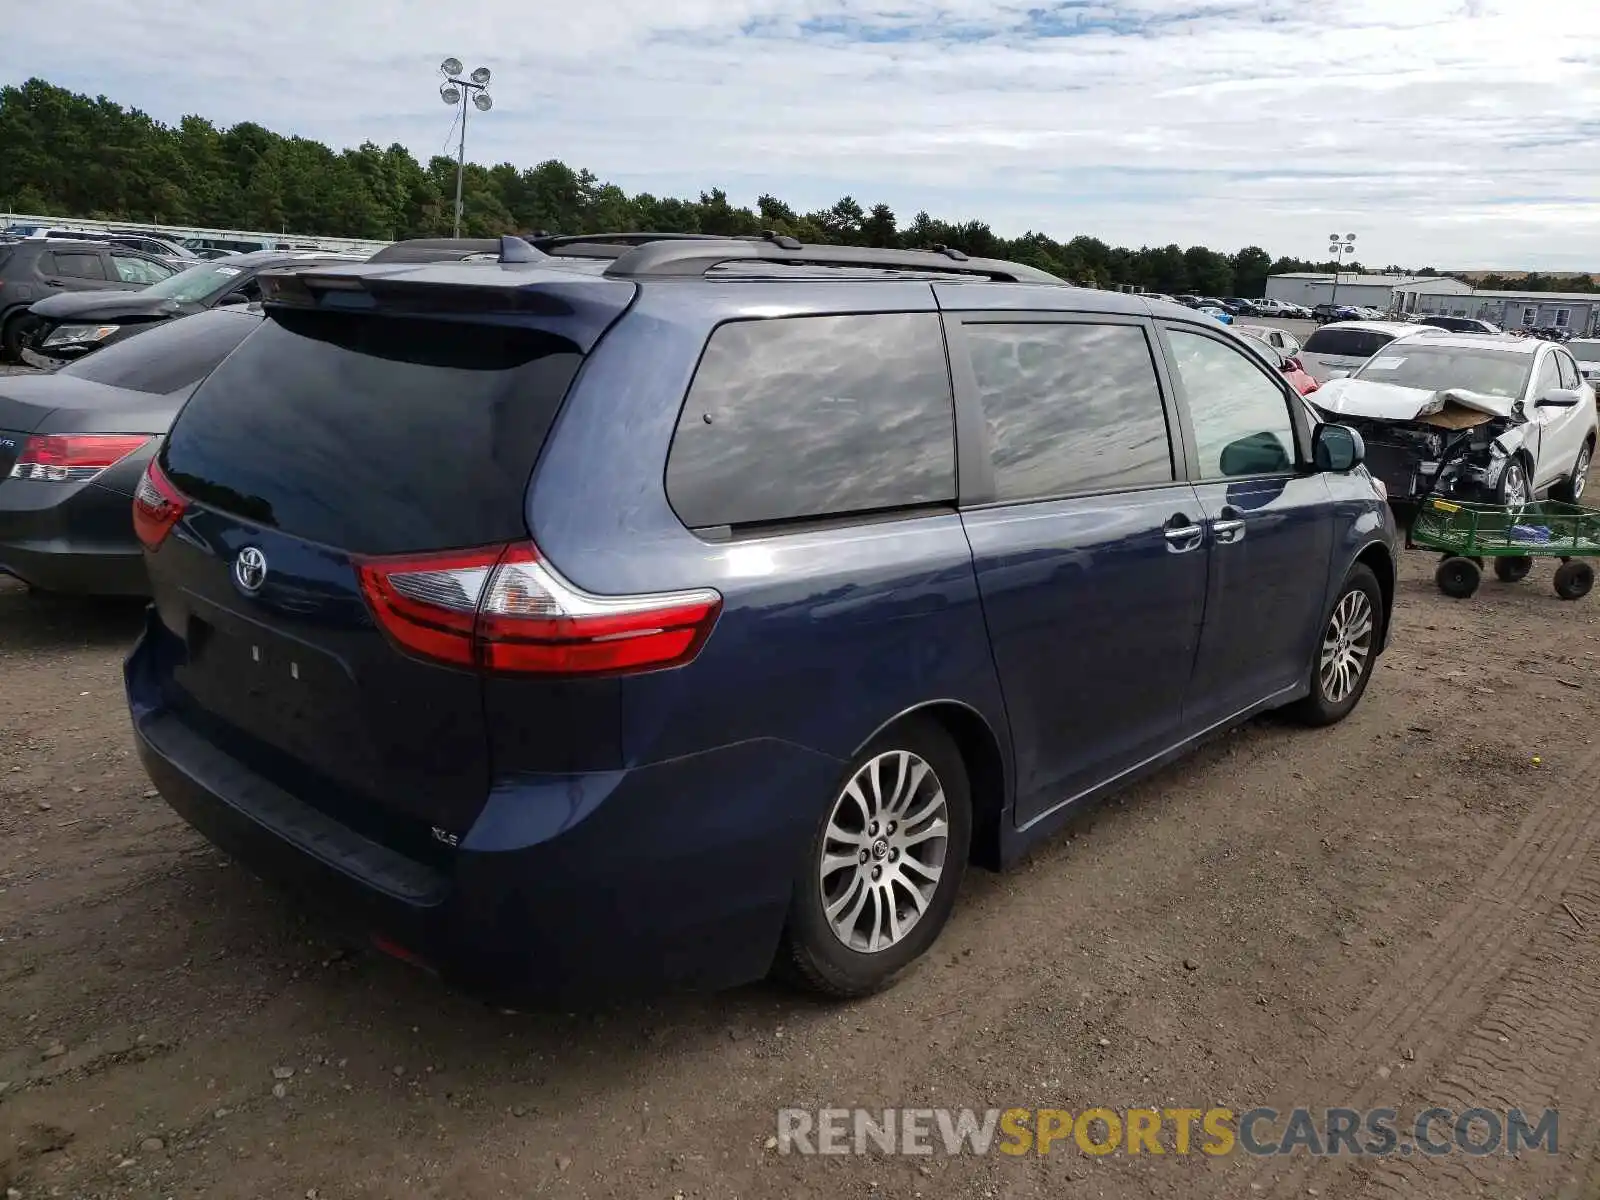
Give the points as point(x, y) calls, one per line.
point(811, 417)
point(377, 434)
point(1347, 343)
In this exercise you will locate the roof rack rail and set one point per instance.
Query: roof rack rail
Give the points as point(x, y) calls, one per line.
point(552, 241)
point(686, 259)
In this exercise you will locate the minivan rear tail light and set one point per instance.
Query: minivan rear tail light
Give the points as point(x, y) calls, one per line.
point(73, 457)
point(505, 609)
point(157, 506)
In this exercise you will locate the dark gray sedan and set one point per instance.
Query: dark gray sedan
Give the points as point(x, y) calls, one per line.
point(73, 445)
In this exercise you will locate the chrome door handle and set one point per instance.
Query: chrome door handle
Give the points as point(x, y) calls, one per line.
point(1228, 530)
point(1183, 538)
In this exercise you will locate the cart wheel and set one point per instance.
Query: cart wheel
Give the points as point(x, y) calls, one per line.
point(1512, 568)
point(1574, 579)
point(1458, 577)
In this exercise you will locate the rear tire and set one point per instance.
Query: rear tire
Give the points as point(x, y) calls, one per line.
point(884, 865)
point(1570, 490)
point(1574, 578)
point(1458, 577)
point(1512, 568)
point(1346, 651)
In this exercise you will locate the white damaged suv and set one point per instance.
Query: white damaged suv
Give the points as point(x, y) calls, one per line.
point(1502, 419)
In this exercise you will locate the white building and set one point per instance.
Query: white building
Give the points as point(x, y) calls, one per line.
point(1577, 311)
point(1375, 291)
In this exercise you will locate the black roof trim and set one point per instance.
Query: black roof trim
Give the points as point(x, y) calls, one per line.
point(550, 242)
point(687, 259)
point(424, 250)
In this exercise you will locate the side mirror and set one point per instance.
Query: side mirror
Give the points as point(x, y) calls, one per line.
point(1338, 374)
point(233, 298)
point(1337, 448)
point(1559, 398)
point(1255, 454)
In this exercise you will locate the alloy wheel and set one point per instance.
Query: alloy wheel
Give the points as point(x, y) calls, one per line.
point(1346, 646)
point(883, 851)
point(1580, 474)
point(1514, 489)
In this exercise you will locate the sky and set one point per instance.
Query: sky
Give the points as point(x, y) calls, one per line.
point(1444, 133)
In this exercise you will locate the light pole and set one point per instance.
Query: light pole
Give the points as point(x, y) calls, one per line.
point(455, 90)
point(1338, 247)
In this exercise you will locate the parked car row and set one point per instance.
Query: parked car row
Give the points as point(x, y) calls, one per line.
point(34, 269)
point(174, 254)
point(65, 327)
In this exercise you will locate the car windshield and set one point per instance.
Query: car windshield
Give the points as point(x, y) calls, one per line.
point(1414, 365)
point(1585, 351)
point(195, 283)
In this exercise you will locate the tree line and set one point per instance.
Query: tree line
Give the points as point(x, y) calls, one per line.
point(72, 155)
point(1536, 282)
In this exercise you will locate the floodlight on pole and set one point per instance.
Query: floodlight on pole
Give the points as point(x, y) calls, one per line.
point(1338, 247)
point(456, 90)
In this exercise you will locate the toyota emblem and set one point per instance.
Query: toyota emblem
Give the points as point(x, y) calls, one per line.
point(250, 570)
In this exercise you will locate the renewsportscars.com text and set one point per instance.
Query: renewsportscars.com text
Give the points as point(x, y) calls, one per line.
point(1098, 1131)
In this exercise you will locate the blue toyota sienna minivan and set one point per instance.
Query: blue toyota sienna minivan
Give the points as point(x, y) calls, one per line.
point(649, 613)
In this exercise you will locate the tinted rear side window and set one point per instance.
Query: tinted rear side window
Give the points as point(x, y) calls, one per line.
point(376, 434)
point(1350, 343)
point(78, 265)
point(810, 417)
point(170, 356)
point(1069, 408)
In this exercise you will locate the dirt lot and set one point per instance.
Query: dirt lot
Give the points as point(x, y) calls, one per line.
point(1401, 910)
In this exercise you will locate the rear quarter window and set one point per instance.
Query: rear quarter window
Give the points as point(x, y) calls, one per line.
point(74, 264)
point(812, 417)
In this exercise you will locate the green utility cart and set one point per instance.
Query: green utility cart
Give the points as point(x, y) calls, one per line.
point(1466, 533)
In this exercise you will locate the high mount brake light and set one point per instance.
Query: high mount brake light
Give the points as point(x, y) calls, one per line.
point(504, 609)
point(157, 507)
point(73, 457)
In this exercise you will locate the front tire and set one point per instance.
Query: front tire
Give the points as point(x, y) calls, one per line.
point(11, 335)
point(1515, 492)
point(885, 862)
point(1346, 652)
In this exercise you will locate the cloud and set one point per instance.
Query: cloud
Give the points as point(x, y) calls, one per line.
point(1443, 132)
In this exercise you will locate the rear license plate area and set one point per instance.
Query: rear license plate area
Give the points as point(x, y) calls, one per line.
point(291, 696)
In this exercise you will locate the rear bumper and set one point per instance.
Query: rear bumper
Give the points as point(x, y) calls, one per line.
point(580, 887)
point(80, 542)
